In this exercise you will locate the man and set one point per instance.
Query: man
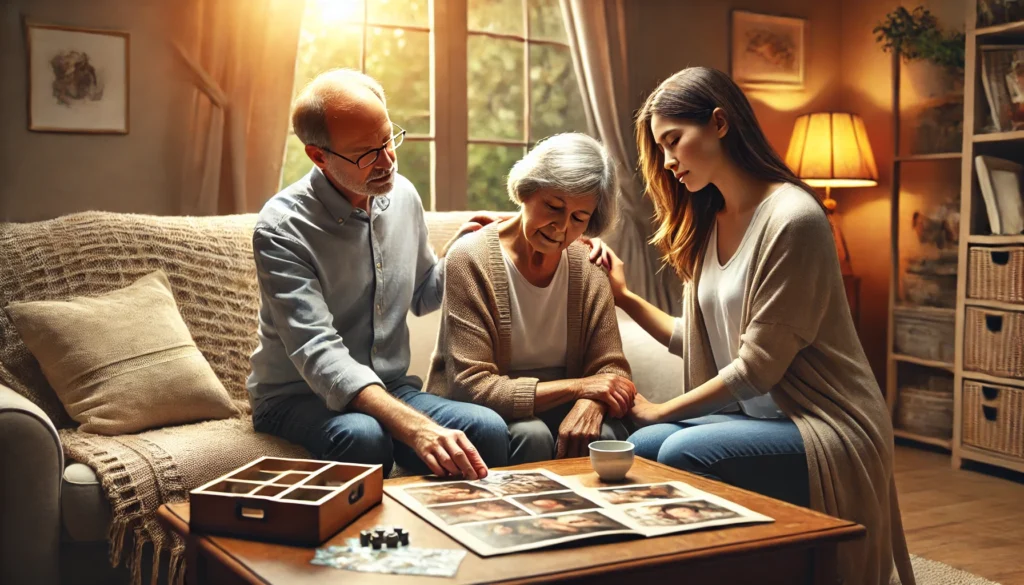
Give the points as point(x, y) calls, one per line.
point(342, 256)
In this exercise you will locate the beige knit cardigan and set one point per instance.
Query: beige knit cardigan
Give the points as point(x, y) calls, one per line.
point(798, 343)
point(474, 343)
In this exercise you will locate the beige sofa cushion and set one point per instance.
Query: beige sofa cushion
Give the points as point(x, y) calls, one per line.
point(124, 361)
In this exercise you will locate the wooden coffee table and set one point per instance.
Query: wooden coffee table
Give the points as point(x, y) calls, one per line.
point(799, 547)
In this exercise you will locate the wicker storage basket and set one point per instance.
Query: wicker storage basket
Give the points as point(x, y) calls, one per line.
point(993, 418)
point(994, 342)
point(996, 274)
point(925, 333)
point(925, 412)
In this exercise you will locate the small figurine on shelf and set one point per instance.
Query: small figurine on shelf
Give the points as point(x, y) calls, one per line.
point(939, 226)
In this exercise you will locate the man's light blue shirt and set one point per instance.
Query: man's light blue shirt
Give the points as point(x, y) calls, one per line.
point(336, 285)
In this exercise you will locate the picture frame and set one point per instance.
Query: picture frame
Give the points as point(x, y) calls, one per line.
point(1002, 184)
point(767, 51)
point(78, 79)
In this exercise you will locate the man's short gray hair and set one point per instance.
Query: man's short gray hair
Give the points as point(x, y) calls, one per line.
point(574, 164)
point(309, 112)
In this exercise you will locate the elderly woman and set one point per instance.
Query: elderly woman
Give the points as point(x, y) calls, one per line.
point(528, 323)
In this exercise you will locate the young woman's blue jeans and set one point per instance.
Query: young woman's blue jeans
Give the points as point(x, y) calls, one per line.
point(761, 455)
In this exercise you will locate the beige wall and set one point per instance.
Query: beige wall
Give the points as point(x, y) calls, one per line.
point(44, 175)
point(668, 35)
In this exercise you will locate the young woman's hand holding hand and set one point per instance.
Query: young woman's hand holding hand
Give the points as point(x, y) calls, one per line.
point(613, 390)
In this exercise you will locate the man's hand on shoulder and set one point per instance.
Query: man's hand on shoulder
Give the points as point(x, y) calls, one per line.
point(475, 223)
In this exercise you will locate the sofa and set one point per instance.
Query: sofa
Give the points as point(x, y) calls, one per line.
point(57, 523)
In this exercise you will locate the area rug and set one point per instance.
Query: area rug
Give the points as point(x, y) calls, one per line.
point(929, 572)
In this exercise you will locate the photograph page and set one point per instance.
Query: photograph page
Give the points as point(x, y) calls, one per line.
point(515, 511)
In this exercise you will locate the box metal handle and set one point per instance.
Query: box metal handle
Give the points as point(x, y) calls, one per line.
point(249, 512)
point(989, 412)
point(994, 323)
point(1001, 258)
point(989, 392)
point(356, 494)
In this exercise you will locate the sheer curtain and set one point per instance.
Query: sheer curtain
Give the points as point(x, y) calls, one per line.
point(596, 30)
point(241, 54)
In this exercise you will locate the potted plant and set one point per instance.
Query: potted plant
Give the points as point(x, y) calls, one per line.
point(934, 65)
point(916, 35)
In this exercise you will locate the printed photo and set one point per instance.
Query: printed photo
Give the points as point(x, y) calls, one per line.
point(636, 494)
point(553, 503)
point(448, 493)
point(479, 511)
point(515, 483)
point(538, 531)
point(678, 513)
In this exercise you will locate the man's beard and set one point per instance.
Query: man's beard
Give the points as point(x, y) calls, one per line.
point(368, 188)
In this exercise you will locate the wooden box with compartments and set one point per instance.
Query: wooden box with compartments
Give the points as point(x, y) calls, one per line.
point(293, 501)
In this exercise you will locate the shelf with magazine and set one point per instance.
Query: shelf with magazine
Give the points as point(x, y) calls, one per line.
point(927, 103)
point(989, 366)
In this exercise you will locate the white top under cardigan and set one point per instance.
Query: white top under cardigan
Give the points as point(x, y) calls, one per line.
point(720, 295)
point(539, 318)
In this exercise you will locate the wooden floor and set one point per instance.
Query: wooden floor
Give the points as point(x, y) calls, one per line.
point(968, 519)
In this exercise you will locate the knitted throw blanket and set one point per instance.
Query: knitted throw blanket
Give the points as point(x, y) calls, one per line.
point(209, 264)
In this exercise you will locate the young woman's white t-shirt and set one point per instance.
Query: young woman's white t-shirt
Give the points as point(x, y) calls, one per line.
point(720, 294)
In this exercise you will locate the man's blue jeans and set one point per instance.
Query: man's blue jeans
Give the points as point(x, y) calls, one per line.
point(761, 455)
point(354, 437)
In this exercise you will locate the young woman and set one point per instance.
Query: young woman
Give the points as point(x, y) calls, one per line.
point(777, 394)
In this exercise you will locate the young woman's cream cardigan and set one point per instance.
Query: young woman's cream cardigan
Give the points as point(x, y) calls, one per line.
point(798, 342)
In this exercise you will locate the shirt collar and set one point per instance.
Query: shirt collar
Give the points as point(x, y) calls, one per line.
point(336, 203)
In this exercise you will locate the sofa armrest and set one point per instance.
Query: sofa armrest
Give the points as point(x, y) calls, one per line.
point(31, 463)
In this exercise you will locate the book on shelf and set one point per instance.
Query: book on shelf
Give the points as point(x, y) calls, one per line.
point(1001, 181)
point(1002, 77)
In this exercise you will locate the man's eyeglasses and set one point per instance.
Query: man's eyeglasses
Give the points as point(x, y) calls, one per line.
point(369, 157)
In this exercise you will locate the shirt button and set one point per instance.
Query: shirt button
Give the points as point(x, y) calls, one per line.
point(378, 309)
point(375, 350)
point(340, 221)
point(378, 266)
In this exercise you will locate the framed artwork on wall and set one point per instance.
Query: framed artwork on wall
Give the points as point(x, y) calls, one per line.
point(767, 51)
point(77, 79)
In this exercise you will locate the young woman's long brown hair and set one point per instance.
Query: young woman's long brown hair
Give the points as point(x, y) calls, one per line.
point(685, 219)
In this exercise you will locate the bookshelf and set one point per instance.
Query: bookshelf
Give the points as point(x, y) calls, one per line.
point(974, 234)
point(905, 371)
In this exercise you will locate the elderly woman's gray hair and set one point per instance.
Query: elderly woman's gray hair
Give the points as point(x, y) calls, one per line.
point(309, 112)
point(574, 164)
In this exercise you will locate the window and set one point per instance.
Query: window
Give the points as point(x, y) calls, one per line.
point(387, 39)
point(474, 82)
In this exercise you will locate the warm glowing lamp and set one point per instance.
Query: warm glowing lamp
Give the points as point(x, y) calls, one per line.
point(831, 149)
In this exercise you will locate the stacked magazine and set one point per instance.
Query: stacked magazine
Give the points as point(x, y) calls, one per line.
point(514, 511)
point(1002, 77)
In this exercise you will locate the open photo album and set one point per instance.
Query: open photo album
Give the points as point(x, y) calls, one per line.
point(514, 511)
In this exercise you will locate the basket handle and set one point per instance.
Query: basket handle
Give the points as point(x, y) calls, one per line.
point(994, 323)
point(990, 412)
point(1001, 258)
point(990, 392)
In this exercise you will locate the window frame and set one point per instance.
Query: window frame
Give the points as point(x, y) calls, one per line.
point(450, 83)
point(449, 35)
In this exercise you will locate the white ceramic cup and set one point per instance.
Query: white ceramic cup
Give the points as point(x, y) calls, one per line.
point(611, 459)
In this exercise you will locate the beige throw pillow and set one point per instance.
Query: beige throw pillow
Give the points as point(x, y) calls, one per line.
point(124, 361)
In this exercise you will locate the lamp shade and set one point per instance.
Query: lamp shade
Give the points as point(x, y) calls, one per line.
point(831, 149)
